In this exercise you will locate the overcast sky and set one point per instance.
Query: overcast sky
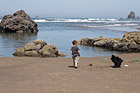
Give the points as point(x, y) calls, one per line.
point(72, 8)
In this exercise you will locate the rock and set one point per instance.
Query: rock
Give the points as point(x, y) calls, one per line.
point(99, 39)
point(84, 41)
point(18, 22)
point(138, 28)
point(90, 65)
point(35, 45)
point(105, 42)
point(121, 47)
point(61, 54)
point(49, 51)
point(129, 42)
point(30, 46)
point(39, 43)
point(32, 54)
point(131, 15)
point(131, 37)
point(39, 48)
point(19, 52)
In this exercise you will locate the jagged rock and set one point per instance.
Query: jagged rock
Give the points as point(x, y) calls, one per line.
point(129, 42)
point(49, 51)
point(61, 54)
point(109, 43)
point(35, 45)
point(19, 52)
point(131, 37)
point(32, 54)
point(84, 41)
point(18, 22)
point(31, 46)
point(131, 15)
point(39, 48)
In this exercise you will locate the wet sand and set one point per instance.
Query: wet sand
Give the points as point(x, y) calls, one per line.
point(56, 75)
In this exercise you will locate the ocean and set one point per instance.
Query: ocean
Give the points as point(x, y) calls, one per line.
point(62, 31)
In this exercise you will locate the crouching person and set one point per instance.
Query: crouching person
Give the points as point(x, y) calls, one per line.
point(117, 61)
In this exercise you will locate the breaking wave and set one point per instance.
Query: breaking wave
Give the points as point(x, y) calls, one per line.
point(82, 20)
point(73, 20)
point(114, 25)
point(40, 20)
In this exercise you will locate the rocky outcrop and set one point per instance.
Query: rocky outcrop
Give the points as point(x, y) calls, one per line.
point(39, 48)
point(138, 28)
point(129, 42)
point(131, 15)
point(18, 22)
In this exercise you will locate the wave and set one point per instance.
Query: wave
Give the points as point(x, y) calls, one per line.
point(73, 20)
point(114, 25)
point(40, 20)
point(82, 20)
point(86, 20)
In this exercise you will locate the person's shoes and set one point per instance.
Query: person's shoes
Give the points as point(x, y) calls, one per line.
point(75, 67)
point(116, 67)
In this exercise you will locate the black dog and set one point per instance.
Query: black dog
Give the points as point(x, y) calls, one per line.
point(117, 61)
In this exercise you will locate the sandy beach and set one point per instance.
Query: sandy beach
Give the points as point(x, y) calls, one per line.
point(56, 75)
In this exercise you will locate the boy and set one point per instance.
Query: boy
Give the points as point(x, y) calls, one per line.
point(75, 53)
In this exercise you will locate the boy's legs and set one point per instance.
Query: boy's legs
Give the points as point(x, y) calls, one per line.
point(75, 61)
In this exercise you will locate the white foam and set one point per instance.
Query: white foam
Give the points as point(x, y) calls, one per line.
point(40, 20)
point(0, 20)
point(73, 20)
point(112, 19)
point(130, 24)
point(114, 25)
point(90, 20)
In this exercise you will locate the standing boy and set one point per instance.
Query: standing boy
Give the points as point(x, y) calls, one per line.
point(75, 52)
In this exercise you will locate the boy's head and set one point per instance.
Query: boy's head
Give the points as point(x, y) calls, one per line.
point(74, 42)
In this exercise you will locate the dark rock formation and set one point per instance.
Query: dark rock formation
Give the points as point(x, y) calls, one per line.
point(131, 15)
point(18, 22)
point(39, 48)
point(130, 42)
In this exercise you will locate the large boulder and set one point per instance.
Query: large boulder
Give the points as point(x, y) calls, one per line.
point(84, 41)
point(35, 45)
point(18, 22)
point(133, 40)
point(131, 15)
point(39, 48)
point(131, 37)
point(49, 51)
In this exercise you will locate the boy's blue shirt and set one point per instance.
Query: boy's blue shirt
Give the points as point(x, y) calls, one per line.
point(74, 50)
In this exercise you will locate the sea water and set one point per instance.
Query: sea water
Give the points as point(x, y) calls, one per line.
point(62, 31)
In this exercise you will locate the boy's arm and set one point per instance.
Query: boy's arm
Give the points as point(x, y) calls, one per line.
point(71, 53)
point(79, 52)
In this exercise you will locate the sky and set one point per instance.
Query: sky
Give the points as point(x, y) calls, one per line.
point(72, 8)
